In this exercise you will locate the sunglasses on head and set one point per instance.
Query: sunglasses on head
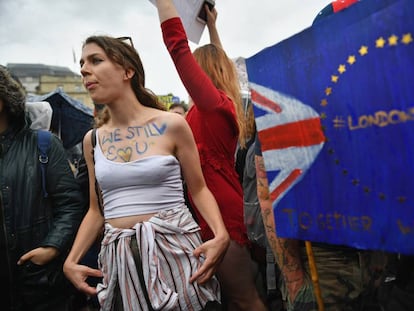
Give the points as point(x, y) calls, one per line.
point(126, 40)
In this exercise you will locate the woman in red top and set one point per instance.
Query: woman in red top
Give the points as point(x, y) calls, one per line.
point(216, 119)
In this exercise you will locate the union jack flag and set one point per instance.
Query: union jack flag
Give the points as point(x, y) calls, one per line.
point(290, 134)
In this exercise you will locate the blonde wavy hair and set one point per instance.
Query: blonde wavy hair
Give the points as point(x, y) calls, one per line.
point(222, 72)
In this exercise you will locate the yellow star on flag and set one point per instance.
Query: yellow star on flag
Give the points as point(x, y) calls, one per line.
point(363, 50)
point(393, 40)
point(407, 38)
point(351, 59)
point(380, 42)
point(341, 69)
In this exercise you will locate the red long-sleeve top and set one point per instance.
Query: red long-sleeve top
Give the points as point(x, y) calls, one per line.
point(213, 121)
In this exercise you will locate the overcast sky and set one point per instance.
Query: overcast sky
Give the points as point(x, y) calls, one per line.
point(48, 31)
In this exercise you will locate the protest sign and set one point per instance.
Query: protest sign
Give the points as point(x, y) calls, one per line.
point(188, 11)
point(334, 108)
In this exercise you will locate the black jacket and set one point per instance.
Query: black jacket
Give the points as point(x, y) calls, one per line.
point(28, 220)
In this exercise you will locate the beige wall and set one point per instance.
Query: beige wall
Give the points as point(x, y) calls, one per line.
point(71, 85)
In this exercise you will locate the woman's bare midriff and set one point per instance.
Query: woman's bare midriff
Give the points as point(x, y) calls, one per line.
point(129, 221)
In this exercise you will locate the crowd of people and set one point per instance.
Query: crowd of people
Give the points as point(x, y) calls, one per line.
point(168, 210)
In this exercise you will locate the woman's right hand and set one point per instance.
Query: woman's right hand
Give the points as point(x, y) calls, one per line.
point(214, 251)
point(78, 274)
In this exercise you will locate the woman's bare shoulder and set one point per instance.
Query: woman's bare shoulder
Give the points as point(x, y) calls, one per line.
point(172, 117)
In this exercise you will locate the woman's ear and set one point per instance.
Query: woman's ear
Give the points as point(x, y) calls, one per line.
point(129, 73)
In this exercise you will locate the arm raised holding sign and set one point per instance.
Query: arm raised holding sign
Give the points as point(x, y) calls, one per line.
point(216, 118)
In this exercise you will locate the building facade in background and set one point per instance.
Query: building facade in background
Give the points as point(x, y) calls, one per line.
point(42, 79)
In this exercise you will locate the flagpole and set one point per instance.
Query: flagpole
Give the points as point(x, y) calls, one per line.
point(314, 276)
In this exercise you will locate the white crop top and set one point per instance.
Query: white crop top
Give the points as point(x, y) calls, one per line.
point(144, 186)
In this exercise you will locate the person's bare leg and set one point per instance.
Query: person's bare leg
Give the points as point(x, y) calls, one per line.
point(236, 278)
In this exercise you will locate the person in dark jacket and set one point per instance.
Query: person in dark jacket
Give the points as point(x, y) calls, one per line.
point(36, 232)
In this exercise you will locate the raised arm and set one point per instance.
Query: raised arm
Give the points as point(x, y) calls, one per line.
point(211, 26)
point(166, 10)
point(198, 84)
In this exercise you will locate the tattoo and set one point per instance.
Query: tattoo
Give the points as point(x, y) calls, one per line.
point(286, 251)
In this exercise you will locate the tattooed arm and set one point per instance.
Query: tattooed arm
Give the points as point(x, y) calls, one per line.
point(286, 251)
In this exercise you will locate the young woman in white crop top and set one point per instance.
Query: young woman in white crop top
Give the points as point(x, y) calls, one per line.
point(151, 256)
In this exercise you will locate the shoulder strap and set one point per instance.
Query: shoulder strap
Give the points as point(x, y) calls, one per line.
point(241, 158)
point(97, 189)
point(43, 145)
point(93, 138)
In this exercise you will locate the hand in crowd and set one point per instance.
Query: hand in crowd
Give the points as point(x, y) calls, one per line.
point(214, 251)
point(78, 274)
point(211, 16)
point(39, 256)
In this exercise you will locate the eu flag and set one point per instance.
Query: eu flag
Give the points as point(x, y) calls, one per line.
point(334, 108)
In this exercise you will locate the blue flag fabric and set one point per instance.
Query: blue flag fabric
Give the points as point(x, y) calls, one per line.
point(334, 108)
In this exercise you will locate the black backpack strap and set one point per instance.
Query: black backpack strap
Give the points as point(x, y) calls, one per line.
point(97, 188)
point(93, 139)
point(43, 145)
point(241, 158)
